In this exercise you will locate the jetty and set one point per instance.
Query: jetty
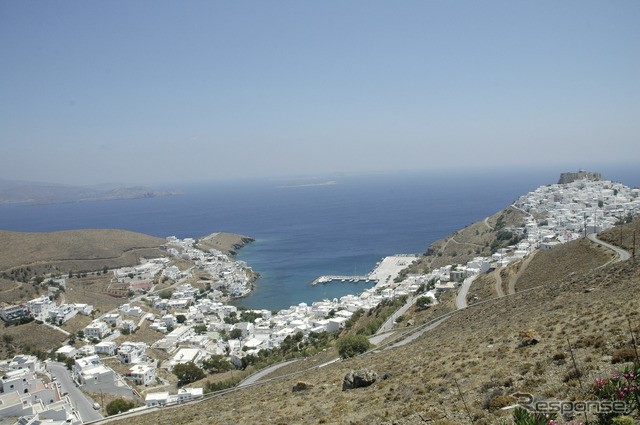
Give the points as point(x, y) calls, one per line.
point(327, 279)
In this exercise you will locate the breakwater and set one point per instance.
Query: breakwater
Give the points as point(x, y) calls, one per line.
point(327, 279)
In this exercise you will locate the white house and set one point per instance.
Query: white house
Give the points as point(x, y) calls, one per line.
point(131, 352)
point(180, 334)
point(156, 399)
point(185, 355)
point(142, 374)
point(128, 325)
point(63, 313)
point(22, 361)
point(40, 307)
point(84, 309)
point(96, 329)
point(67, 351)
point(186, 394)
point(106, 347)
point(113, 319)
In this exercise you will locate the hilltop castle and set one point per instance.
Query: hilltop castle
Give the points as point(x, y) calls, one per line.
point(580, 175)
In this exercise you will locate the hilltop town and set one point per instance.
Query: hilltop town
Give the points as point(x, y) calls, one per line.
point(173, 311)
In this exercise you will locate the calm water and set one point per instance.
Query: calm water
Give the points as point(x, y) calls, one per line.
point(303, 232)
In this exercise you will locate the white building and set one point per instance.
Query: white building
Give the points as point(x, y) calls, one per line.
point(40, 307)
point(96, 329)
point(132, 352)
point(106, 347)
point(113, 319)
point(156, 399)
point(180, 334)
point(186, 355)
point(142, 374)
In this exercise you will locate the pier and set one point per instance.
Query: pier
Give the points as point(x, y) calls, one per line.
point(327, 279)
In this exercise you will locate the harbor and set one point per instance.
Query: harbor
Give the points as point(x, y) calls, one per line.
point(328, 279)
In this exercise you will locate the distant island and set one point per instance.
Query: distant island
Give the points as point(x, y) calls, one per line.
point(25, 192)
point(308, 184)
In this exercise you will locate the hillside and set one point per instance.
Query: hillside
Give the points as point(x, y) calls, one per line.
point(75, 249)
point(229, 243)
point(477, 349)
point(477, 239)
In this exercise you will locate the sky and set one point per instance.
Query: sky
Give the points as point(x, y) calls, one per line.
point(166, 91)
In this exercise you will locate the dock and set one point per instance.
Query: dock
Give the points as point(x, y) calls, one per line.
point(327, 279)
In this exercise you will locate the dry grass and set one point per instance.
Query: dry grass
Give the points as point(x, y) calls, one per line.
point(31, 249)
point(465, 244)
point(28, 338)
point(562, 261)
point(623, 236)
point(229, 243)
point(483, 288)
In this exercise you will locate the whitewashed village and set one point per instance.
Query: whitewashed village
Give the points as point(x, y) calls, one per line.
point(194, 321)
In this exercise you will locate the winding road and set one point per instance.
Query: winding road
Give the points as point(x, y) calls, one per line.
point(461, 298)
point(622, 254)
point(523, 267)
point(498, 278)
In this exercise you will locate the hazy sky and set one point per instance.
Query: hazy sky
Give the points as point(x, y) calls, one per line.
point(158, 91)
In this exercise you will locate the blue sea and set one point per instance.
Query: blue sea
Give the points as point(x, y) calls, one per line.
point(303, 232)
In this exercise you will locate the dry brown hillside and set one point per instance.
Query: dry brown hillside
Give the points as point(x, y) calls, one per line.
point(92, 246)
point(477, 239)
point(476, 349)
point(229, 243)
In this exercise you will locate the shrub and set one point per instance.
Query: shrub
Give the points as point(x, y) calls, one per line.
point(188, 373)
point(499, 401)
point(522, 416)
point(622, 386)
point(623, 420)
point(352, 345)
point(119, 406)
point(623, 355)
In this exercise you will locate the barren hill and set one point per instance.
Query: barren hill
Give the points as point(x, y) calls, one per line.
point(229, 243)
point(90, 247)
point(477, 239)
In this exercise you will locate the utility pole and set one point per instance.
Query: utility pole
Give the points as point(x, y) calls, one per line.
point(621, 236)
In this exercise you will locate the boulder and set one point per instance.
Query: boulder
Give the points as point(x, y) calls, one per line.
point(358, 379)
point(301, 386)
point(529, 337)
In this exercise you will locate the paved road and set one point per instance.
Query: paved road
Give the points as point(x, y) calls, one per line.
point(622, 254)
point(514, 279)
point(420, 332)
point(461, 299)
point(264, 372)
point(498, 278)
point(388, 325)
point(82, 403)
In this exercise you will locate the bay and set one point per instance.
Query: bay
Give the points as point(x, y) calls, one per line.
point(302, 232)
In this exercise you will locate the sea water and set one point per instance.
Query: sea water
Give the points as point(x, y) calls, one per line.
point(302, 232)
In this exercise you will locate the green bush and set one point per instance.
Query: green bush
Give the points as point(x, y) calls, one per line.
point(119, 406)
point(352, 345)
point(622, 386)
point(188, 373)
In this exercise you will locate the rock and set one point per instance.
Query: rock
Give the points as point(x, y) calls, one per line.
point(529, 337)
point(359, 379)
point(301, 386)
